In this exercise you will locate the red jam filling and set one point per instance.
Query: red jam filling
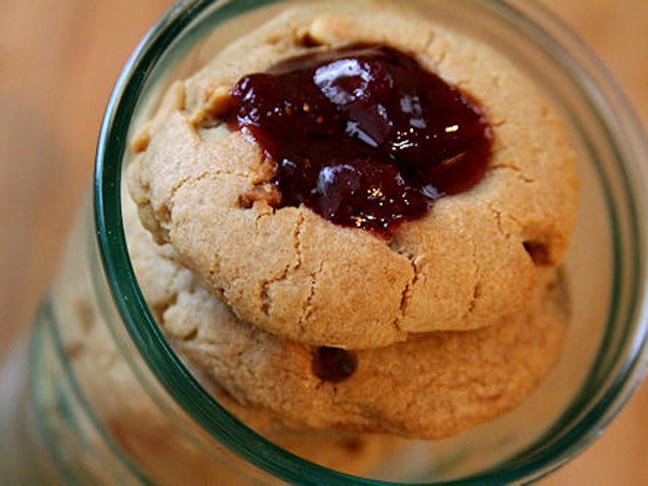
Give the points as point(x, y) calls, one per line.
point(363, 135)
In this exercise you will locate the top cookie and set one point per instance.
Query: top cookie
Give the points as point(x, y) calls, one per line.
point(471, 259)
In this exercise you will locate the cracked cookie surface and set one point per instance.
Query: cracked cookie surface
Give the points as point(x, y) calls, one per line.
point(470, 260)
point(433, 385)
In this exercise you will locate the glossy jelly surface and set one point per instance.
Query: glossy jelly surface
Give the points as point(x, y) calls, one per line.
point(363, 135)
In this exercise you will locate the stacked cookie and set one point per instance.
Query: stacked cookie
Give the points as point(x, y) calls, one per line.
point(450, 320)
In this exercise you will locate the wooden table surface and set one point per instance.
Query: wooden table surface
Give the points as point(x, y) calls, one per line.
point(58, 62)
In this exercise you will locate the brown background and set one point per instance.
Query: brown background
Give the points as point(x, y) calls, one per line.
point(58, 62)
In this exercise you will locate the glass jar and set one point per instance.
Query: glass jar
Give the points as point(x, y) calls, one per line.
point(95, 394)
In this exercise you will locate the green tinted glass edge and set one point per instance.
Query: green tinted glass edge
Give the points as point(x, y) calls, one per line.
point(150, 340)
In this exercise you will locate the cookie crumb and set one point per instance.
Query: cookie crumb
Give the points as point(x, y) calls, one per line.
point(217, 100)
point(267, 193)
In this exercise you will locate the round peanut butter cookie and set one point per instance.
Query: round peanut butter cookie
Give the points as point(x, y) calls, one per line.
point(433, 385)
point(206, 189)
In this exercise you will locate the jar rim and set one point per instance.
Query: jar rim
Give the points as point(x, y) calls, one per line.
point(628, 142)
